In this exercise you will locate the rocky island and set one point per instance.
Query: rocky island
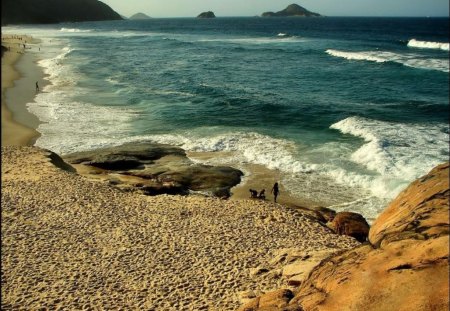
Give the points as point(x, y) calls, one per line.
point(291, 10)
point(208, 14)
point(139, 16)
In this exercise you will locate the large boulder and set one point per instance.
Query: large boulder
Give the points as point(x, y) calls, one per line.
point(153, 169)
point(405, 268)
point(351, 224)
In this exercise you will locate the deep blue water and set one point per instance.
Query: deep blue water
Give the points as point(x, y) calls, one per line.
point(338, 105)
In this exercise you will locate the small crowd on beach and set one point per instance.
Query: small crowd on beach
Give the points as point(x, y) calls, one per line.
point(10, 41)
point(262, 194)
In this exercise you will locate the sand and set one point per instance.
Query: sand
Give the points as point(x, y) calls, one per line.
point(71, 243)
point(19, 74)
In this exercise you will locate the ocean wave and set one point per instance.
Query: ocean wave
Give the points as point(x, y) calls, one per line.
point(74, 30)
point(409, 60)
point(394, 150)
point(284, 38)
point(379, 57)
point(428, 45)
point(58, 74)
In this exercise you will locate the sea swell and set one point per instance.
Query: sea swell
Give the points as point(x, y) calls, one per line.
point(409, 60)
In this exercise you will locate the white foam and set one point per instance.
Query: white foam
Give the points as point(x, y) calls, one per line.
point(74, 30)
point(249, 148)
point(397, 152)
point(410, 60)
point(428, 45)
point(379, 57)
point(256, 40)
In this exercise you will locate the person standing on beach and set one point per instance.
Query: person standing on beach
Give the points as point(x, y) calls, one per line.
point(275, 191)
point(37, 87)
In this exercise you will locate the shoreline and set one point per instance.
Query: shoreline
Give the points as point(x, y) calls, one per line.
point(19, 73)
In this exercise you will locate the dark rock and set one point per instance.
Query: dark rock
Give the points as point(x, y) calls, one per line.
point(351, 224)
point(55, 11)
point(291, 10)
point(208, 14)
point(4, 49)
point(156, 169)
point(123, 157)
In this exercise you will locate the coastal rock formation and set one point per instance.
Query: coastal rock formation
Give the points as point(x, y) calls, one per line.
point(55, 11)
point(291, 10)
point(208, 14)
point(419, 212)
point(405, 268)
point(140, 16)
point(154, 169)
point(351, 224)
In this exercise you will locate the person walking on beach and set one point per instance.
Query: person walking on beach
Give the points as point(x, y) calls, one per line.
point(37, 87)
point(275, 191)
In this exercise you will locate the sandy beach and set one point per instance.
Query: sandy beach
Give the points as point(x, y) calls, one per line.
point(74, 243)
point(19, 75)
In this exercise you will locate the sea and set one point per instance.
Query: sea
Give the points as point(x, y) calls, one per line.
point(347, 110)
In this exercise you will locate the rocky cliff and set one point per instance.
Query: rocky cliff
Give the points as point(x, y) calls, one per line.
point(404, 267)
point(291, 10)
point(55, 11)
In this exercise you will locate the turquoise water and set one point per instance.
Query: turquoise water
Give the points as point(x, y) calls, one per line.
point(349, 110)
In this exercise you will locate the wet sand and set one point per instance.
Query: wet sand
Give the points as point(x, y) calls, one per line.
point(19, 75)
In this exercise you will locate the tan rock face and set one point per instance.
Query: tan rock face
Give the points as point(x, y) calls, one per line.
point(420, 211)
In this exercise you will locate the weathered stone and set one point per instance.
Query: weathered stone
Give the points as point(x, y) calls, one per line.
point(421, 210)
point(275, 300)
point(155, 169)
point(351, 224)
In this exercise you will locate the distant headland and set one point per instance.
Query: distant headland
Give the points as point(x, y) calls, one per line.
point(208, 14)
point(291, 10)
point(50, 11)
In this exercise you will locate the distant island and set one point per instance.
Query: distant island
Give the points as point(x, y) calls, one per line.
point(291, 10)
point(140, 16)
point(208, 14)
point(55, 11)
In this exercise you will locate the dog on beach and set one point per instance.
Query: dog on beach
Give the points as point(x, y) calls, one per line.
point(253, 194)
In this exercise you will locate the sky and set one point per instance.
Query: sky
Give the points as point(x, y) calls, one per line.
point(191, 8)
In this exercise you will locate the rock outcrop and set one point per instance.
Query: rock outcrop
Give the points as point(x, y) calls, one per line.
point(154, 169)
point(420, 212)
point(351, 224)
point(404, 267)
point(139, 16)
point(291, 10)
point(208, 14)
point(55, 11)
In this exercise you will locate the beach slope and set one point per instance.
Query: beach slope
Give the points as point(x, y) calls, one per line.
point(74, 243)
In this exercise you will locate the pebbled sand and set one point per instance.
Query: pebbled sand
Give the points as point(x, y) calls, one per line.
point(70, 243)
